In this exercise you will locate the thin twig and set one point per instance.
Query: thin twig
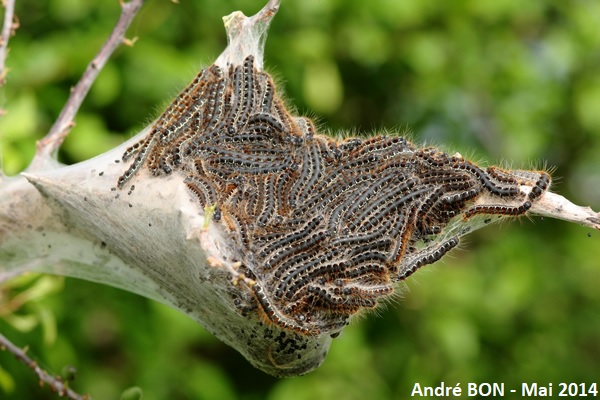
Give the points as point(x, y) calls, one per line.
point(8, 27)
point(55, 383)
point(47, 148)
point(555, 206)
point(268, 11)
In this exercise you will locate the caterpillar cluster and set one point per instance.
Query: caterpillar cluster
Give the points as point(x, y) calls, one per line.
point(324, 228)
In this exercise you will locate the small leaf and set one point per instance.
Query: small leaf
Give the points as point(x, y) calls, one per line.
point(48, 322)
point(22, 323)
point(7, 383)
point(133, 393)
point(43, 287)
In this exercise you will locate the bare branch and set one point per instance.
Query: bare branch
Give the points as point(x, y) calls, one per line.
point(55, 383)
point(268, 11)
point(8, 28)
point(555, 206)
point(47, 148)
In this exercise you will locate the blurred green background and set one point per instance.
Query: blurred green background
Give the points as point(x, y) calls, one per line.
point(511, 82)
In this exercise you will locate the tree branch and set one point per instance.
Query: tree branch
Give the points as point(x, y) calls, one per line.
point(55, 383)
point(556, 206)
point(8, 27)
point(47, 148)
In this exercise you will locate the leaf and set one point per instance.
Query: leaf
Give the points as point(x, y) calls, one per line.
point(7, 383)
point(133, 393)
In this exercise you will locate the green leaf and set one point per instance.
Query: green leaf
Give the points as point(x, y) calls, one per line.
point(22, 323)
point(7, 383)
point(133, 393)
point(48, 322)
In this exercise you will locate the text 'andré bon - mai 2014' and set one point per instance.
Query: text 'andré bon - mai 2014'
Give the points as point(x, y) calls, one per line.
point(530, 389)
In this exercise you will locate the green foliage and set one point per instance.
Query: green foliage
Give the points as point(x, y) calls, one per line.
point(515, 82)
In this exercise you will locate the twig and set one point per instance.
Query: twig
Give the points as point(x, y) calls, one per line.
point(8, 27)
point(268, 11)
point(47, 148)
point(55, 383)
point(555, 206)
